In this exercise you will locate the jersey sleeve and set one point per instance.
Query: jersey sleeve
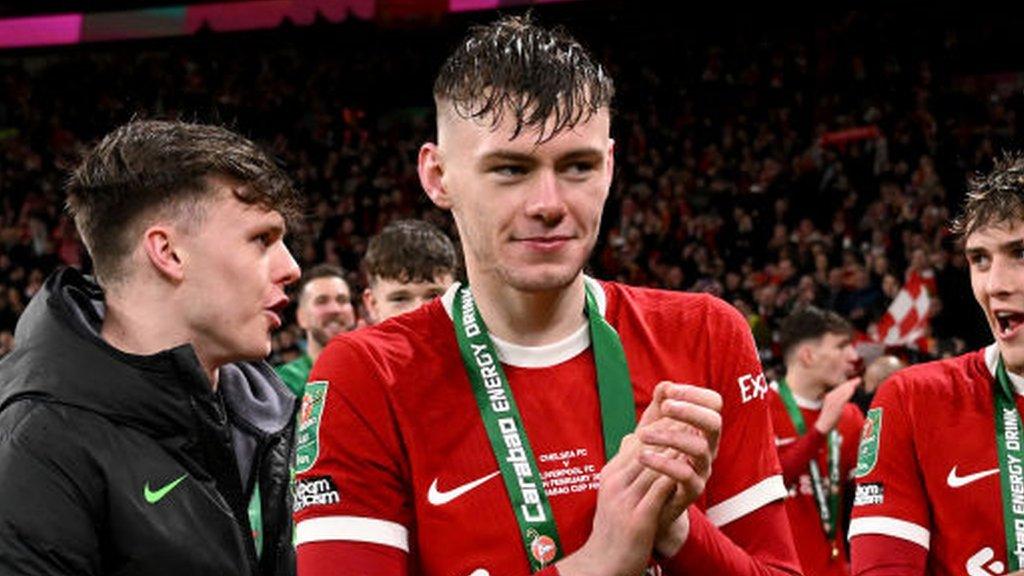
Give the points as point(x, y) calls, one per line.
point(890, 498)
point(351, 480)
point(745, 475)
point(708, 550)
point(796, 457)
point(874, 555)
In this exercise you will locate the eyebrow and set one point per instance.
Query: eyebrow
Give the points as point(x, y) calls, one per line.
point(1010, 246)
point(507, 156)
point(510, 156)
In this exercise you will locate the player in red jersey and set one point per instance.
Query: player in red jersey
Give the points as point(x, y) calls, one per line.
point(817, 428)
point(467, 437)
point(940, 487)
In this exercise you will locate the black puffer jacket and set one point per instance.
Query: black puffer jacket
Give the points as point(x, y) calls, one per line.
point(112, 463)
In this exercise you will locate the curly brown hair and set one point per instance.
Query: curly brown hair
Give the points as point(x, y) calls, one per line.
point(994, 198)
point(409, 251)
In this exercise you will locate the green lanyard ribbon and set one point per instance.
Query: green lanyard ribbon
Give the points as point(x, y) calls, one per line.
point(504, 424)
point(827, 500)
point(1011, 473)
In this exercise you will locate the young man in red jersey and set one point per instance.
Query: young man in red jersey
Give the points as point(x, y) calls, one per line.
point(817, 428)
point(940, 488)
point(468, 436)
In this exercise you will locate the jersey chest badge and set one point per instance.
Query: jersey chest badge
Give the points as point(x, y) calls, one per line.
point(307, 444)
point(867, 453)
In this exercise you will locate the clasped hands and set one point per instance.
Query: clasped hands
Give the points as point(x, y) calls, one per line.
point(660, 469)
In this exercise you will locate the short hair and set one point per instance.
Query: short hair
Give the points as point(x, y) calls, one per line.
point(409, 251)
point(810, 323)
point(147, 167)
point(315, 273)
point(536, 74)
point(993, 198)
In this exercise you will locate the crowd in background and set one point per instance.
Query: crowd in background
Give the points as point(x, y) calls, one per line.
point(817, 161)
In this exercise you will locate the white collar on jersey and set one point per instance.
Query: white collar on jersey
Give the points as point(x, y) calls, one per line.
point(540, 356)
point(992, 358)
point(805, 403)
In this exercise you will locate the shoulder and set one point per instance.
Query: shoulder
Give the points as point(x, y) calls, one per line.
point(937, 389)
point(962, 373)
point(852, 419)
point(669, 305)
point(852, 411)
point(40, 423)
point(412, 341)
point(294, 374)
point(298, 366)
point(59, 441)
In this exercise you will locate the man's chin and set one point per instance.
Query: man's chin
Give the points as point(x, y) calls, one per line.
point(323, 337)
point(542, 280)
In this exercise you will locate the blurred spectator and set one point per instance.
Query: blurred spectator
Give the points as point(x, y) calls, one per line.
point(876, 373)
point(324, 310)
point(408, 264)
point(730, 176)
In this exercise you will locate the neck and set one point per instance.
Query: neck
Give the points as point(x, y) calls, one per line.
point(803, 384)
point(134, 328)
point(529, 318)
point(313, 348)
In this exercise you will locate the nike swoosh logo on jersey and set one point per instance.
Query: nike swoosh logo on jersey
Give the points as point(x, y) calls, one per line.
point(439, 498)
point(955, 481)
point(154, 496)
point(784, 441)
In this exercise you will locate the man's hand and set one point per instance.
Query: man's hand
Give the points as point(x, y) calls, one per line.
point(833, 403)
point(645, 489)
point(659, 470)
point(682, 445)
point(629, 501)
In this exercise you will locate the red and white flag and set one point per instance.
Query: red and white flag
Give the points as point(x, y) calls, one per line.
point(905, 323)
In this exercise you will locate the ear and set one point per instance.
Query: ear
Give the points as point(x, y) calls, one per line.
point(301, 315)
point(610, 161)
point(805, 354)
point(370, 303)
point(161, 245)
point(430, 166)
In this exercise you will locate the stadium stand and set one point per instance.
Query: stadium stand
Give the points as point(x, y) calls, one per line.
point(772, 159)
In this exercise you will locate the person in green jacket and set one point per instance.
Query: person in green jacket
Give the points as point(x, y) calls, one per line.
point(324, 311)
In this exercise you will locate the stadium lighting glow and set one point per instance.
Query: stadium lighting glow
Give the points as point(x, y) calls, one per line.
point(40, 30)
point(53, 30)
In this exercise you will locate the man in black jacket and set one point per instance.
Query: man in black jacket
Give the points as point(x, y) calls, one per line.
point(140, 431)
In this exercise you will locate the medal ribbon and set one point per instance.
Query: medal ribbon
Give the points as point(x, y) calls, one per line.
point(828, 503)
point(1011, 473)
point(504, 424)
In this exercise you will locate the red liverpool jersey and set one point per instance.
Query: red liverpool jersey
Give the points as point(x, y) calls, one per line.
point(392, 449)
point(928, 470)
point(814, 549)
